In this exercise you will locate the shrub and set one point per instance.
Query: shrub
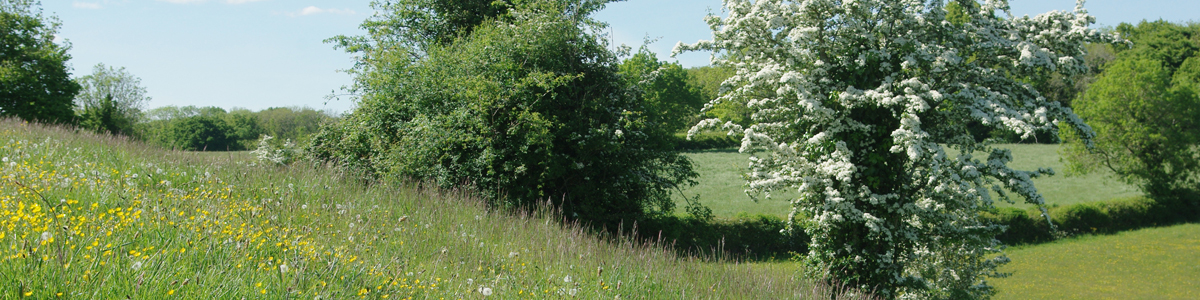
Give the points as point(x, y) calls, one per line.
point(528, 106)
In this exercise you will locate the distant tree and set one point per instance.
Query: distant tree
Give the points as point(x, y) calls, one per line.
point(110, 101)
point(667, 98)
point(291, 123)
point(200, 133)
point(1145, 110)
point(35, 82)
point(245, 127)
point(707, 81)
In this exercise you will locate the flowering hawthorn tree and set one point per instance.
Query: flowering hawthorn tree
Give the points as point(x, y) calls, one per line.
point(854, 105)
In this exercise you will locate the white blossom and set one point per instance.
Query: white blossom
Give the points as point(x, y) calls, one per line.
point(843, 90)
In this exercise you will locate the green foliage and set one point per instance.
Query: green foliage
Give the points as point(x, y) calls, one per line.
point(707, 81)
point(110, 100)
point(1145, 110)
point(745, 236)
point(291, 123)
point(1027, 226)
point(527, 108)
point(667, 98)
point(35, 82)
point(200, 133)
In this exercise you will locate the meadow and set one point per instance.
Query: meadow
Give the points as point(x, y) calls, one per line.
point(97, 217)
point(1153, 263)
point(721, 185)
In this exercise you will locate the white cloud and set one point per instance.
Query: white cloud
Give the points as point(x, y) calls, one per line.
point(85, 5)
point(313, 10)
point(183, 1)
point(240, 1)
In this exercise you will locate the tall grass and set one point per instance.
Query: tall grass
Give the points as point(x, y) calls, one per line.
point(100, 217)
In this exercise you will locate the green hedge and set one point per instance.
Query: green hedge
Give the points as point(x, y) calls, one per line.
point(706, 141)
point(1028, 226)
point(746, 236)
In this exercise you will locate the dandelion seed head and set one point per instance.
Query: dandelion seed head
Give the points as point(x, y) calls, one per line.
point(486, 291)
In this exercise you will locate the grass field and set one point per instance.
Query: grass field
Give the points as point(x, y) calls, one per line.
point(721, 182)
point(1155, 263)
point(95, 217)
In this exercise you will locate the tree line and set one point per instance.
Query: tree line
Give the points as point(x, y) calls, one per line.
point(36, 86)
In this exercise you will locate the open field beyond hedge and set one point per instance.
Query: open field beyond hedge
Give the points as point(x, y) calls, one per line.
point(721, 182)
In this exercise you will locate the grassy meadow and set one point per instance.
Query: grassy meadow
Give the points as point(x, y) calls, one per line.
point(1153, 263)
point(721, 182)
point(96, 217)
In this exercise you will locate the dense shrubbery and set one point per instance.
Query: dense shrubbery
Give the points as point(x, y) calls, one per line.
point(527, 106)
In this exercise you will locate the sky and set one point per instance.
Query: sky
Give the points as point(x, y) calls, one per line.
point(258, 54)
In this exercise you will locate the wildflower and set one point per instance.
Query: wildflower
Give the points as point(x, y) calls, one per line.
point(305, 206)
point(513, 254)
point(283, 268)
point(46, 236)
point(486, 291)
point(572, 291)
point(567, 278)
point(5, 159)
point(620, 133)
point(137, 266)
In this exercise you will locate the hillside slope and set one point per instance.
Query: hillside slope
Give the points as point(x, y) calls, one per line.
point(88, 216)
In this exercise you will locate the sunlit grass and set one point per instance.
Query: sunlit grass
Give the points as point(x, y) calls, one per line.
point(96, 217)
point(1155, 263)
point(722, 185)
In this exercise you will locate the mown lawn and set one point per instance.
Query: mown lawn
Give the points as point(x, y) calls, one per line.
point(721, 183)
point(1154, 263)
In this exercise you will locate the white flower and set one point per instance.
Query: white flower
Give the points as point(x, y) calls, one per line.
point(567, 278)
point(46, 236)
point(5, 159)
point(619, 133)
point(283, 268)
point(486, 291)
point(137, 265)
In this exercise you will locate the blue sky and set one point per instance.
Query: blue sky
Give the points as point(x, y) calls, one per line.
point(258, 54)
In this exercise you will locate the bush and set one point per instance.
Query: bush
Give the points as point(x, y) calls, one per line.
point(527, 107)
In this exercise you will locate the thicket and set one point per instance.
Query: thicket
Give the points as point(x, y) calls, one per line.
point(525, 106)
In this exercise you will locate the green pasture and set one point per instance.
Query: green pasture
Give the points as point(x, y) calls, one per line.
point(721, 185)
point(1154, 263)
